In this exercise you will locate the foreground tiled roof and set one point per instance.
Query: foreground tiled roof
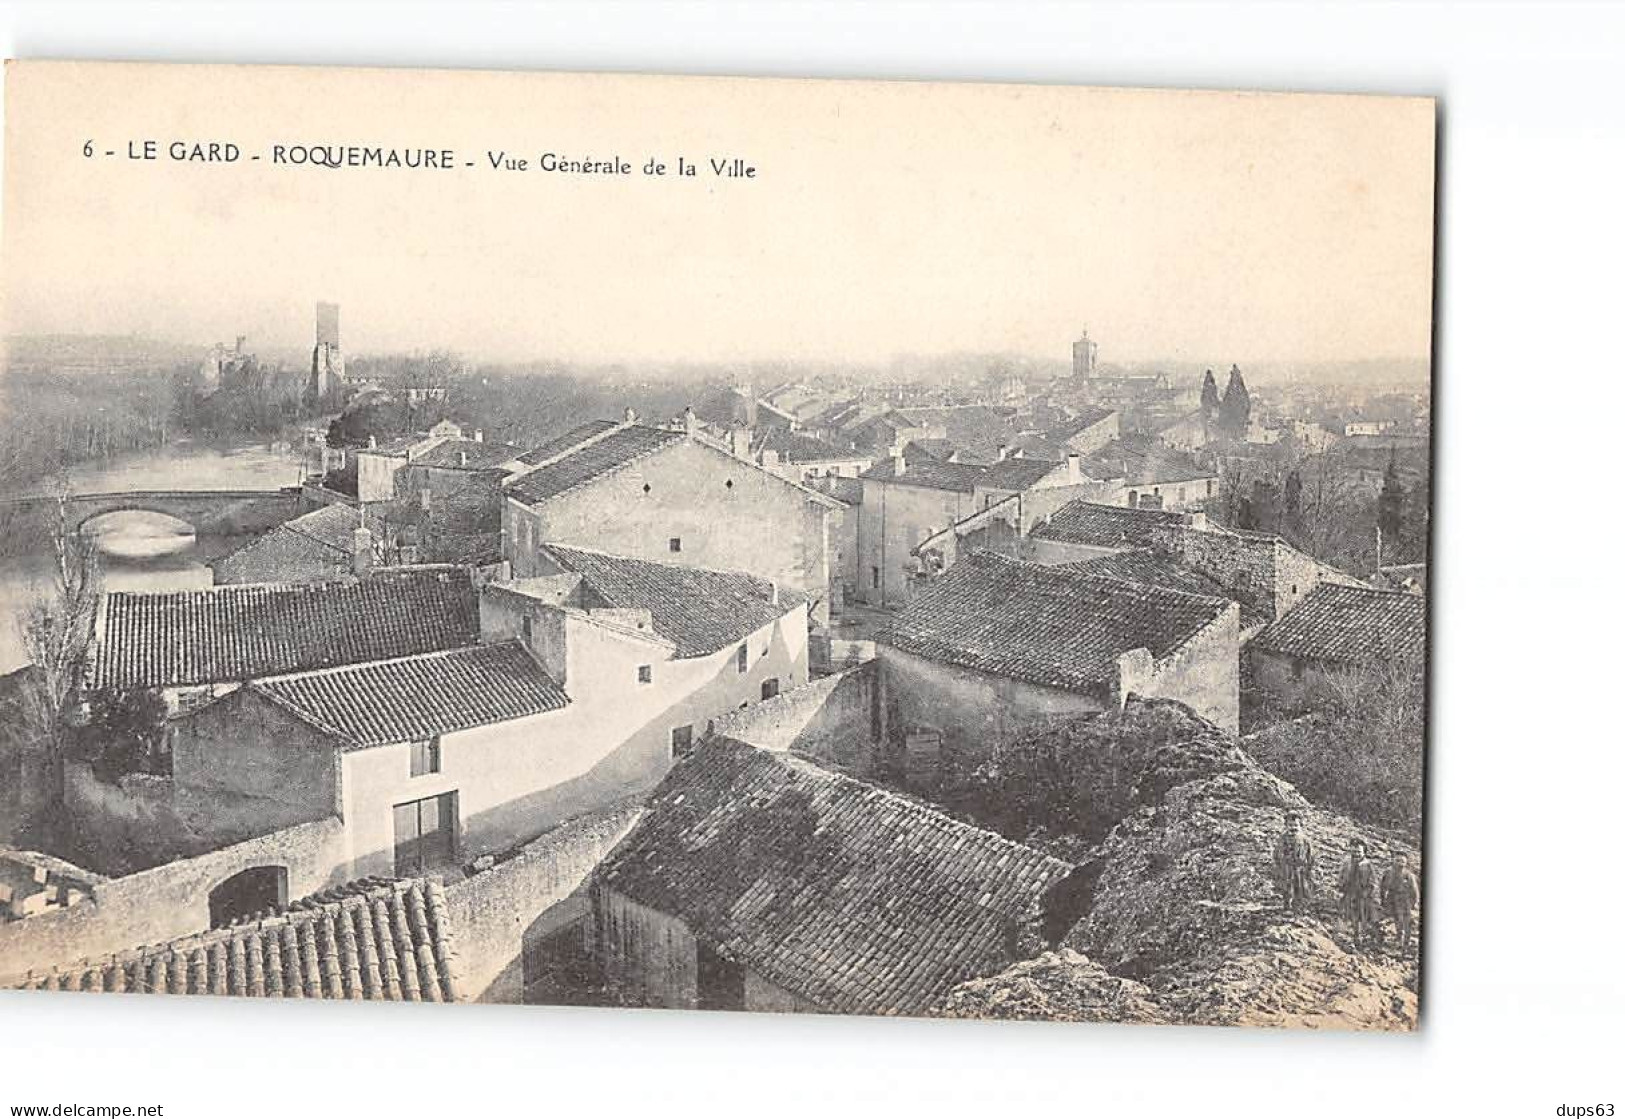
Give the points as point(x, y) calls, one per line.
point(1154, 568)
point(699, 610)
point(1053, 626)
point(1103, 526)
point(855, 898)
point(391, 942)
point(592, 461)
point(239, 632)
point(1351, 625)
point(415, 698)
point(559, 444)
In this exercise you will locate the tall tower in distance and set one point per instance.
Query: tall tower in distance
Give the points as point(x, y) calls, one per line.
point(1083, 356)
point(327, 359)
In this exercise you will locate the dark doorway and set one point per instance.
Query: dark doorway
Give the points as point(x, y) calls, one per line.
point(425, 834)
point(721, 980)
point(246, 893)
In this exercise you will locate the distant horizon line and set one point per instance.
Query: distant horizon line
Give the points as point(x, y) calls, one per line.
point(629, 363)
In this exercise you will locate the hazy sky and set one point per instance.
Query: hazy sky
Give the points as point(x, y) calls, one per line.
point(883, 218)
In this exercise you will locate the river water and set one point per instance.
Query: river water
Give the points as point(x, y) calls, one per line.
point(143, 551)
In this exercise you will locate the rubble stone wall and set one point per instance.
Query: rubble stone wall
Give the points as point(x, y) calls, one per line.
point(497, 913)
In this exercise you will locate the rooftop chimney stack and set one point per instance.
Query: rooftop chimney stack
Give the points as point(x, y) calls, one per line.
point(898, 463)
point(462, 458)
point(629, 417)
point(479, 436)
point(1004, 451)
point(1074, 469)
point(362, 562)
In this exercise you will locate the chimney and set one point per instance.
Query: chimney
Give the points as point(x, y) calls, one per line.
point(773, 591)
point(479, 436)
point(898, 464)
point(372, 442)
point(691, 422)
point(462, 458)
point(1197, 520)
point(629, 417)
point(1004, 451)
point(739, 442)
point(1074, 469)
point(362, 561)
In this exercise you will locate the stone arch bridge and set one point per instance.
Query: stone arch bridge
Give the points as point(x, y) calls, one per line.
point(209, 512)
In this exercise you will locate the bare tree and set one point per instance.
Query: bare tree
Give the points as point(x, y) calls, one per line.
point(57, 630)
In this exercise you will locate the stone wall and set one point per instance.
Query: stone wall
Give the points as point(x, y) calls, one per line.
point(835, 719)
point(165, 902)
point(498, 913)
point(1205, 672)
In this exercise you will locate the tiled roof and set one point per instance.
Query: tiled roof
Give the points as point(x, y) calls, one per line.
point(976, 429)
point(923, 468)
point(699, 610)
point(792, 446)
point(1154, 568)
point(175, 638)
point(333, 525)
point(1045, 625)
point(1142, 462)
point(1016, 473)
point(610, 453)
point(558, 445)
point(1103, 526)
point(467, 454)
point(392, 942)
point(414, 698)
point(1087, 417)
point(1351, 625)
point(853, 897)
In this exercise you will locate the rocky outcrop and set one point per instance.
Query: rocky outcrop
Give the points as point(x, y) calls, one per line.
point(1185, 902)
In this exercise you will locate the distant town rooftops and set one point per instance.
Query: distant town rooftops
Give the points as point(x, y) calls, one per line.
point(392, 942)
point(1054, 626)
point(699, 610)
point(239, 632)
point(1350, 625)
point(1103, 526)
point(603, 456)
point(855, 898)
point(794, 447)
point(924, 469)
point(1144, 462)
point(418, 697)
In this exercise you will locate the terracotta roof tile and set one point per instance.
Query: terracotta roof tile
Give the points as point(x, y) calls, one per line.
point(1351, 625)
point(572, 438)
point(415, 698)
point(390, 942)
point(238, 632)
point(699, 610)
point(467, 454)
point(853, 897)
point(1053, 626)
point(1103, 526)
point(608, 454)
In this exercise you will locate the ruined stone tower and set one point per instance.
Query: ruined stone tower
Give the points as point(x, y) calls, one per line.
point(327, 359)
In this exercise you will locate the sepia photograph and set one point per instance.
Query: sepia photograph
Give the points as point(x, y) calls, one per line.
point(906, 549)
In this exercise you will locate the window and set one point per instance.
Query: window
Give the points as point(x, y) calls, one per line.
point(646, 673)
point(426, 755)
point(527, 627)
point(770, 687)
point(425, 834)
point(742, 659)
point(874, 577)
point(675, 544)
point(682, 740)
point(1210, 487)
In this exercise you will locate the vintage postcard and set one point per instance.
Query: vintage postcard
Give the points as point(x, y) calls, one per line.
point(871, 548)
